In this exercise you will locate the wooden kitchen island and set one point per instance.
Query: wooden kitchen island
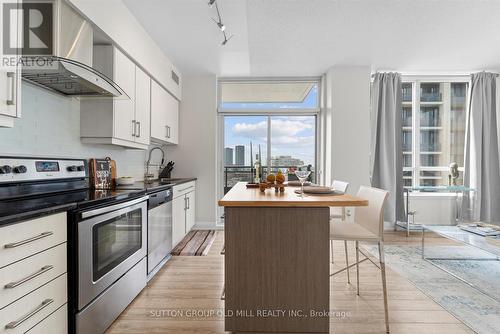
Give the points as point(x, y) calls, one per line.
point(277, 260)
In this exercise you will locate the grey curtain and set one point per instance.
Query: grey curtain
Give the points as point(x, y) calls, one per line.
point(386, 159)
point(482, 170)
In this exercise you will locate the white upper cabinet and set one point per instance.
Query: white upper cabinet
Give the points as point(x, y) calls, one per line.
point(10, 71)
point(123, 109)
point(164, 115)
point(121, 121)
point(142, 106)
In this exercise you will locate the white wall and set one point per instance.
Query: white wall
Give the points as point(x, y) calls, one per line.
point(195, 156)
point(348, 125)
point(50, 127)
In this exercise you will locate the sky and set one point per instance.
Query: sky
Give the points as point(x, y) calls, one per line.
point(290, 135)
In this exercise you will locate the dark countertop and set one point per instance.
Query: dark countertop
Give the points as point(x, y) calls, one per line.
point(22, 216)
point(156, 185)
point(14, 211)
point(18, 210)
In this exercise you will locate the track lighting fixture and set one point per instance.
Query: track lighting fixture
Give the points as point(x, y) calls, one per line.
point(226, 39)
point(221, 25)
point(218, 21)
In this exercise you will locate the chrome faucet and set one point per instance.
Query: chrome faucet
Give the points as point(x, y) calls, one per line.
point(149, 176)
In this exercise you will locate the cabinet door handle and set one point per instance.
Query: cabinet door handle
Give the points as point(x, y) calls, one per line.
point(12, 100)
point(168, 131)
point(139, 129)
point(44, 269)
point(14, 324)
point(25, 241)
point(133, 128)
point(189, 203)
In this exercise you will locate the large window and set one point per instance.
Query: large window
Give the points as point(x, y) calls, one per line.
point(275, 118)
point(434, 115)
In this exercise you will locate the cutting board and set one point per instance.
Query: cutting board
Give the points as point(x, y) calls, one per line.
point(101, 175)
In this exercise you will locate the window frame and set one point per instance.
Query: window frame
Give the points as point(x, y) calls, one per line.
point(250, 111)
point(416, 80)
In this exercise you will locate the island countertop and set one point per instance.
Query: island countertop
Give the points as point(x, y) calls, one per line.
point(241, 196)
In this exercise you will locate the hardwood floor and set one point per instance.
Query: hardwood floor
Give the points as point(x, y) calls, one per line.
point(194, 283)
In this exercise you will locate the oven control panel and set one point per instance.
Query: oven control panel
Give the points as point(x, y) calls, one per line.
point(36, 169)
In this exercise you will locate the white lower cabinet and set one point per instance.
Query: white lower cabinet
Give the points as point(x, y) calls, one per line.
point(22, 277)
point(33, 276)
point(54, 324)
point(19, 241)
point(178, 220)
point(30, 310)
point(190, 210)
point(183, 210)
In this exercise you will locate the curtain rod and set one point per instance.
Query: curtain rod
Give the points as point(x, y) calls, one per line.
point(414, 74)
point(437, 74)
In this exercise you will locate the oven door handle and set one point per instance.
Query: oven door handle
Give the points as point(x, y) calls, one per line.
point(100, 211)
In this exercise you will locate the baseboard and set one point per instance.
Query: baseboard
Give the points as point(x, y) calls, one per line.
point(207, 226)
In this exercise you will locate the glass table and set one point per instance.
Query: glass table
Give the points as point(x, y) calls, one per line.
point(459, 215)
point(488, 251)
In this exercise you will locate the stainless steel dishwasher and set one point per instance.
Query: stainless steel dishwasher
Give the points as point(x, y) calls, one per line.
point(159, 230)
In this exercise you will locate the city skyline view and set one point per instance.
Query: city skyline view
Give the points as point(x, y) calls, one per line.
point(290, 136)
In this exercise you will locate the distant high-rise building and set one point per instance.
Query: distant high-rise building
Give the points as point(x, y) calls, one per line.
point(229, 156)
point(239, 155)
point(286, 161)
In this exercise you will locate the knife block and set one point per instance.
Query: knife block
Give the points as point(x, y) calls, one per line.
point(165, 174)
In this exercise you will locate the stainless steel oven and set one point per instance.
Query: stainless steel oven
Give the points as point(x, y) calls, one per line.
point(112, 240)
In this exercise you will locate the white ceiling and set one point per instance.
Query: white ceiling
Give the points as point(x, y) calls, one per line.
point(305, 37)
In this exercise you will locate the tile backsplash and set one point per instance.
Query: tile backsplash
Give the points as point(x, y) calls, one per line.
point(50, 127)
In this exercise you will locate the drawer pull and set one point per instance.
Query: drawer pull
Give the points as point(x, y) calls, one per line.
point(22, 242)
point(44, 269)
point(44, 304)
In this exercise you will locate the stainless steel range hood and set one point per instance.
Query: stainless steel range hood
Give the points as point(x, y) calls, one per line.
point(68, 70)
point(71, 78)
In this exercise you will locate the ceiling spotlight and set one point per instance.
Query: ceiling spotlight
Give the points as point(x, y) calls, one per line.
point(211, 3)
point(221, 26)
point(226, 39)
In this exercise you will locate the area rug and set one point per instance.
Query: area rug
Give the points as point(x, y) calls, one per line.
point(478, 311)
point(195, 243)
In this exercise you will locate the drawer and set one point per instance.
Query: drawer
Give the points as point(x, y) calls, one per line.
point(21, 240)
point(28, 311)
point(184, 188)
point(56, 323)
point(22, 277)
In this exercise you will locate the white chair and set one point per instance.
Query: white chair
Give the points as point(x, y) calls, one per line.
point(368, 226)
point(339, 213)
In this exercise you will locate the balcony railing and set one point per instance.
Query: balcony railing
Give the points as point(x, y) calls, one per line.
point(235, 174)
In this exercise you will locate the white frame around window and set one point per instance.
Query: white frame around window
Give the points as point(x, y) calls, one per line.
point(414, 79)
point(316, 80)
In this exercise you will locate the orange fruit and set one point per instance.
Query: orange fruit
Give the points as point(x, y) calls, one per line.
point(271, 178)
